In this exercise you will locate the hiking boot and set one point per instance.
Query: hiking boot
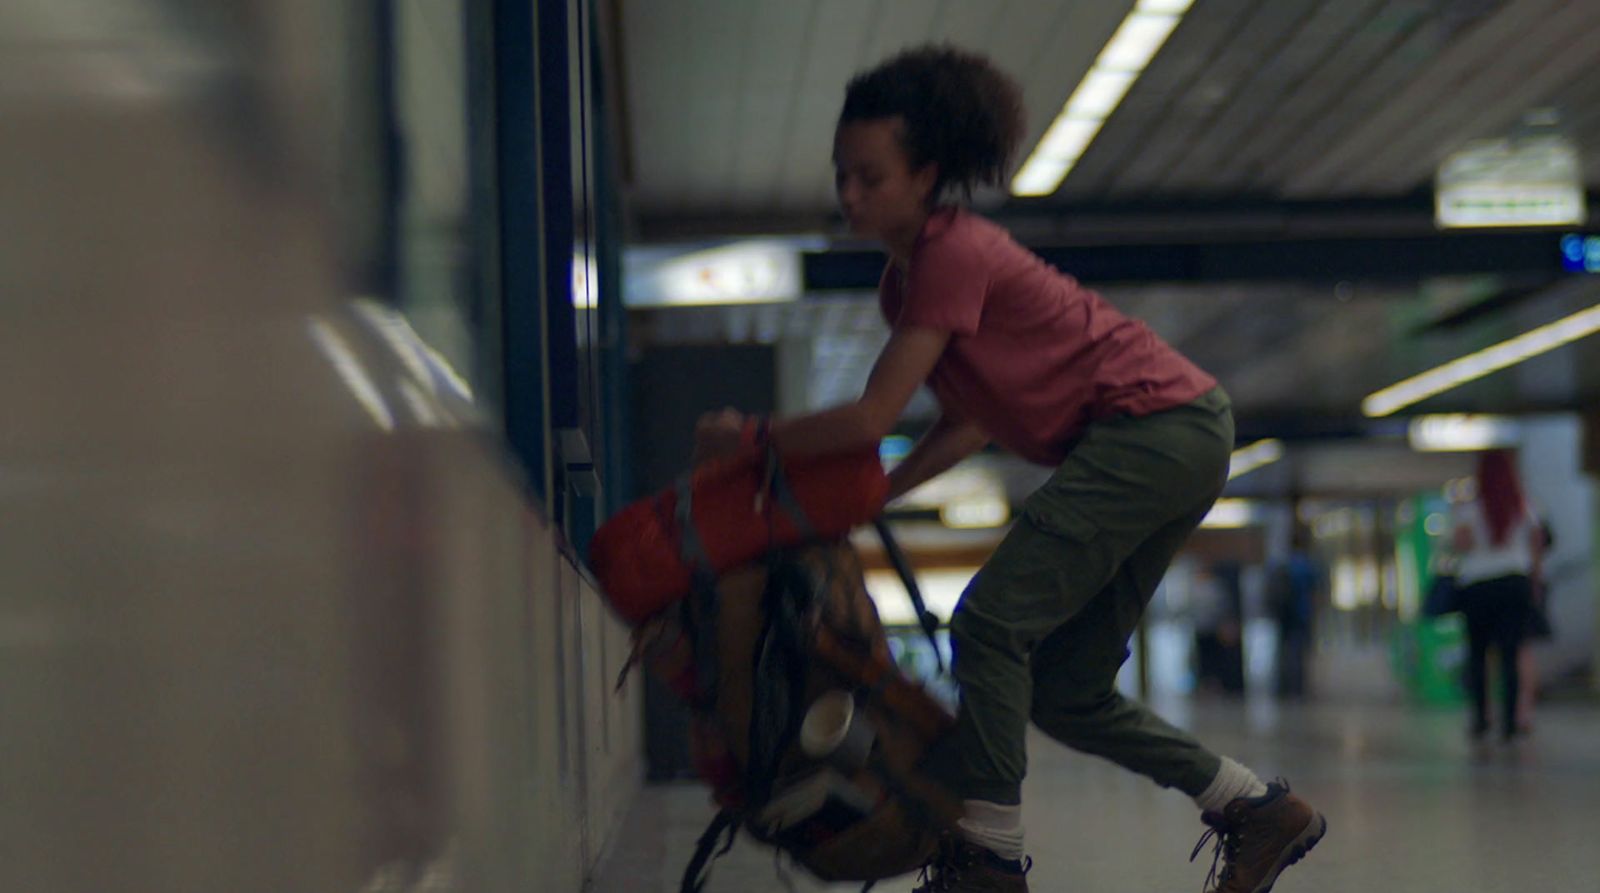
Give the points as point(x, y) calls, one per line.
point(1257, 838)
point(963, 867)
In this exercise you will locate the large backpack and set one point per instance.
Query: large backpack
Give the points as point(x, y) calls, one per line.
point(750, 656)
point(751, 650)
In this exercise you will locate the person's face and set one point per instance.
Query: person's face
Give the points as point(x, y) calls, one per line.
point(879, 191)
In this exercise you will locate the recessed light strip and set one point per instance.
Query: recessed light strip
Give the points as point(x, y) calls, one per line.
point(1121, 60)
point(1476, 365)
point(1247, 459)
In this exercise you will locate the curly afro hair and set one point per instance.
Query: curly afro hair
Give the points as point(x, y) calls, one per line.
point(960, 112)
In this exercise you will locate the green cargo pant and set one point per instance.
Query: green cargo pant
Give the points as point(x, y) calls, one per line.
point(1043, 627)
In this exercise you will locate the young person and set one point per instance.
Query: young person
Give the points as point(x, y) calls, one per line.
point(1023, 355)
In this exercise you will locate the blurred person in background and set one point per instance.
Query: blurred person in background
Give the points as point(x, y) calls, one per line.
point(1217, 609)
point(1500, 547)
point(1291, 594)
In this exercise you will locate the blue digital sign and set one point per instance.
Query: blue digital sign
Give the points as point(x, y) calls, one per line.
point(1580, 254)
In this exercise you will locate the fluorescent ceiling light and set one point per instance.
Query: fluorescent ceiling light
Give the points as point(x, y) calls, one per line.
point(1248, 459)
point(1041, 176)
point(1229, 514)
point(975, 512)
point(1098, 95)
point(1461, 433)
point(1068, 137)
point(1480, 363)
point(1136, 42)
point(1125, 55)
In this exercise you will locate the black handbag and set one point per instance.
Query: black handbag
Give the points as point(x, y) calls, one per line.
point(1444, 597)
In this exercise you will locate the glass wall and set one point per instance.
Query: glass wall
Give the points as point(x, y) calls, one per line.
point(478, 196)
point(442, 239)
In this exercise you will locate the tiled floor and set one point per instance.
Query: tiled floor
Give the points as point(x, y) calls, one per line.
point(1411, 807)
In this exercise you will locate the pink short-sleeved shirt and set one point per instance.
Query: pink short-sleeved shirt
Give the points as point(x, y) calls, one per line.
point(1034, 356)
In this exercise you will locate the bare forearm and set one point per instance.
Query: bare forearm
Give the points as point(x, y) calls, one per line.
point(945, 444)
point(838, 430)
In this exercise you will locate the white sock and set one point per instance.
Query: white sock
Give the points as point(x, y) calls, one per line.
point(1232, 782)
point(996, 828)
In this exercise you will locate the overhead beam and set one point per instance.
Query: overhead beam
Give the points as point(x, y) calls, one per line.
point(1055, 222)
point(1399, 260)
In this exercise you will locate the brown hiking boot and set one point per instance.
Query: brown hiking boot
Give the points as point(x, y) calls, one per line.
point(963, 867)
point(1258, 838)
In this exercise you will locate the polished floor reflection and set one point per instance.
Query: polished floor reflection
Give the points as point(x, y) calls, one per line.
point(1411, 805)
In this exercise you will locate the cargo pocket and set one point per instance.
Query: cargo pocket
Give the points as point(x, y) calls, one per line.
point(1043, 572)
point(1048, 512)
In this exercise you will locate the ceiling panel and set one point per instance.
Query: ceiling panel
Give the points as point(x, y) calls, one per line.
point(968, 24)
point(1269, 25)
point(1396, 62)
point(1550, 61)
point(654, 75)
point(1251, 107)
point(712, 122)
point(903, 23)
point(1025, 30)
point(1351, 70)
point(1460, 73)
point(1579, 109)
point(769, 86)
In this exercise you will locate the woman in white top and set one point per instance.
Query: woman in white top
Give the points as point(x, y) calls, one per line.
point(1499, 543)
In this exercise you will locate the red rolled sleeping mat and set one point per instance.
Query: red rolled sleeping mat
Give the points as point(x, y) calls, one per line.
point(725, 514)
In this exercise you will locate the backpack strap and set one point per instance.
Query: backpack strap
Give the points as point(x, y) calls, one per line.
point(778, 673)
point(700, 608)
point(778, 484)
point(690, 548)
point(698, 870)
point(925, 618)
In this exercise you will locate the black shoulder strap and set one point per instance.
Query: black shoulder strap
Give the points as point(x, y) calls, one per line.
point(705, 852)
point(902, 566)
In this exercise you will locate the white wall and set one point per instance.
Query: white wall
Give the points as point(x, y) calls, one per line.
point(1552, 473)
